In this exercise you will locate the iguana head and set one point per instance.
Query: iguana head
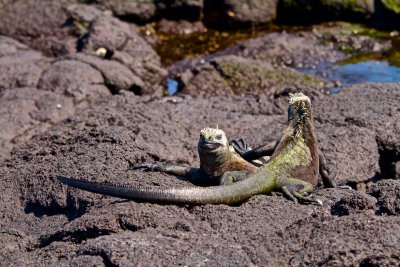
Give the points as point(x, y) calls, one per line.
point(212, 140)
point(299, 107)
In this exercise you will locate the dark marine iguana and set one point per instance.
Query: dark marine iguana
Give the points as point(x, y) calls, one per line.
point(219, 162)
point(292, 168)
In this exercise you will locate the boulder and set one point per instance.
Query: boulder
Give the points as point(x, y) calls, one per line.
point(244, 13)
point(38, 24)
point(239, 76)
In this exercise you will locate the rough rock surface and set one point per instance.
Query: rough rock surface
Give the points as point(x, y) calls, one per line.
point(304, 50)
point(36, 92)
point(122, 44)
point(19, 65)
point(38, 24)
point(388, 194)
point(266, 64)
point(180, 27)
point(27, 111)
point(62, 28)
point(44, 222)
point(382, 120)
point(56, 28)
point(148, 10)
point(236, 75)
point(75, 79)
point(350, 38)
point(231, 14)
point(301, 50)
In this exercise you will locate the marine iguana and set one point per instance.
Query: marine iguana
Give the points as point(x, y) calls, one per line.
point(293, 169)
point(265, 151)
point(224, 163)
point(219, 163)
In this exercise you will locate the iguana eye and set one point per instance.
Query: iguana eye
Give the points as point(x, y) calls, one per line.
point(218, 137)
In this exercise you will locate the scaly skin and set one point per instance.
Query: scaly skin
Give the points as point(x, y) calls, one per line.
point(265, 151)
point(217, 162)
point(293, 169)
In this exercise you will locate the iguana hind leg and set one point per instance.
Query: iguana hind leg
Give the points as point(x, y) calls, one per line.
point(326, 175)
point(296, 190)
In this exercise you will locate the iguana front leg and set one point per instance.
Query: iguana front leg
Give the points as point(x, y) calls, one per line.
point(252, 154)
point(193, 175)
point(166, 168)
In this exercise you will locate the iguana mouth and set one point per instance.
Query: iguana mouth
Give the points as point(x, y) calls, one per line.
point(210, 145)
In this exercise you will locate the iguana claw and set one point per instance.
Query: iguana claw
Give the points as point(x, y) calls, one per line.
point(240, 146)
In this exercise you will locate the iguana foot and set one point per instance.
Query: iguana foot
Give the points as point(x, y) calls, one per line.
point(240, 146)
point(307, 199)
point(292, 192)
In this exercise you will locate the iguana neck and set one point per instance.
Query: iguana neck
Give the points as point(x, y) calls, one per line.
point(215, 163)
point(300, 137)
point(299, 128)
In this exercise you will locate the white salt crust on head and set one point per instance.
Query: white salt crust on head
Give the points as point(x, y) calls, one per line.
point(298, 97)
point(211, 132)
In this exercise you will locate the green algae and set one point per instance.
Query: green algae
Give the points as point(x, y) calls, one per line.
point(342, 32)
point(252, 76)
point(174, 47)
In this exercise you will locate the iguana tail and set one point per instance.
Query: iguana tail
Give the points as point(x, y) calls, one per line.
point(225, 194)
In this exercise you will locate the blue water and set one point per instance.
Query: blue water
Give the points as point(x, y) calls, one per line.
point(346, 74)
point(366, 71)
point(172, 86)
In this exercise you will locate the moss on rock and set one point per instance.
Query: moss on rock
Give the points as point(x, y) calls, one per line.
point(352, 38)
point(253, 76)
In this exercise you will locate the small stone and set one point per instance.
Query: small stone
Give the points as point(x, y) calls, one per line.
point(101, 52)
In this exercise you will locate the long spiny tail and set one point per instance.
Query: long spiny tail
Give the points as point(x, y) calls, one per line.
point(227, 194)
